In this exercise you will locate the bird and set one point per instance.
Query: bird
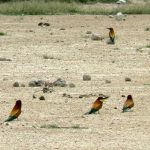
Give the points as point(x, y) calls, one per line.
point(128, 104)
point(111, 35)
point(97, 105)
point(16, 111)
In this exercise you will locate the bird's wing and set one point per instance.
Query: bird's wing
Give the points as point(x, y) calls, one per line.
point(128, 104)
point(96, 105)
point(15, 112)
point(13, 115)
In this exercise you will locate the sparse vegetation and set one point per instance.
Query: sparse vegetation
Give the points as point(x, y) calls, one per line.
point(54, 126)
point(147, 46)
point(48, 57)
point(5, 59)
point(2, 33)
point(76, 127)
point(50, 126)
point(37, 7)
point(147, 29)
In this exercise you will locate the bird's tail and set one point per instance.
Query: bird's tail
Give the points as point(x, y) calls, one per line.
point(10, 118)
point(92, 111)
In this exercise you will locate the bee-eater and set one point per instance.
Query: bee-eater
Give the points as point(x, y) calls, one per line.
point(97, 105)
point(16, 111)
point(128, 104)
point(112, 35)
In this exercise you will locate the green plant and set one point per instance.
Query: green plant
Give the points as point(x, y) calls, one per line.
point(147, 29)
point(2, 33)
point(50, 126)
point(147, 46)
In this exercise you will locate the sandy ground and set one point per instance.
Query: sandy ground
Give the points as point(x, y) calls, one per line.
point(75, 54)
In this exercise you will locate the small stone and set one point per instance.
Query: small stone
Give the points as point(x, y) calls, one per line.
point(127, 79)
point(46, 24)
point(107, 81)
point(96, 37)
point(64, 94)
point(81, 96)
point(120, 16)
point(71, 85)
point(121, 2)
point(86, 77)
point(62, 29)
point(16, 84)
point(40, 83)
point(115, 107)
point(60, 82)
point(32, 83)
point(22, 85)
point(123, 96)
point(41, 98)
point(67, 95)
point(84, 95)
point(40, 24)
point(111, 16)
point(33, 96)
point(88, 32)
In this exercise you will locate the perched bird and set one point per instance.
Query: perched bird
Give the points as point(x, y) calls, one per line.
point(97, 105)
point(111, 35)
point(16, 111)
point(128, 104)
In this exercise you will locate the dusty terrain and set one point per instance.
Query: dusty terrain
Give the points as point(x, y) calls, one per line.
point(73, 54)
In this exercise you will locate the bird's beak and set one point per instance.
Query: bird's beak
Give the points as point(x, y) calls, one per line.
point(104, 99)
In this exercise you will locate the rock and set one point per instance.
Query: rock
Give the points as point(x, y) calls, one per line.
point(35, 83)
point(16, 84)
point(62, 29)
point(81, 96)
point(60, 82)
point(22, 85)
point(115, 107)
point(121, 2)
point(96, 37)
point(127, 79)
point(67, 95)
point(46, 90)
point(40, 83)
point(33, 96)
point(40, 24)
point(88, 32)
point(71, 85)
point(46, 24)
point(43, 24)
point(120, 16)
point(107, 81)
point(7, 124)
point(86, 77)
point(32, 83)
point(111, 16)
point(123, 96)
point(86, 95)
point(5, 59)
point(41, 98)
